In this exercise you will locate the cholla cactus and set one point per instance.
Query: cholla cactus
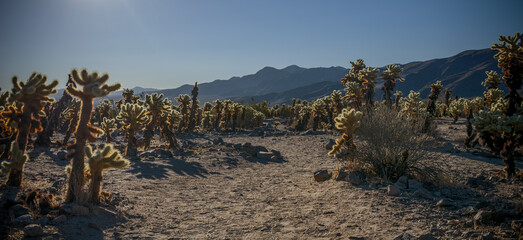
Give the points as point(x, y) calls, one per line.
point(337, 101)
point(389, 77)
point(132, 117)
point(236, 110)
point(128, 96)
point(457, 108)
point(318, 113)
point(492, 81)
point(93, 87)
point(397, 97)
point(108, 126)
point(368, 77)
point(156, 106)
point(33, 94)
point(354, 94)
point(17, 161)
point(347, 121)
point(193, 118)
point(435, 90)
point(354, 71)
point(448, 93)
point(492, 96)
point(413, 108)
point(305, 114)
point(510, 60)
point(168, 122)
point(185, 102)
point(99, 160)
point(71, 114)
point(217, 109)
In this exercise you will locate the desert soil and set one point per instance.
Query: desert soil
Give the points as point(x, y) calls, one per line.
point(213, 191)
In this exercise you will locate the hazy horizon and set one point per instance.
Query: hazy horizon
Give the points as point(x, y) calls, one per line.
point(165, 44)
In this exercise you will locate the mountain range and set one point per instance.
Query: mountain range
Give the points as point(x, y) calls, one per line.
point(463, 73)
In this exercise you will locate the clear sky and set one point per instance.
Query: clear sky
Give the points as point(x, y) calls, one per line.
point(164, 44)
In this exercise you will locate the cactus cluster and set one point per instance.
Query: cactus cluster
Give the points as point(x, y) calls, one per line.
point(347, 121)
point(132, 117)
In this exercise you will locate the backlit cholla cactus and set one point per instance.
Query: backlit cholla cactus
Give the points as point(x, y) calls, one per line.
point(492, 96)
point(397, 97)
point(448, 93)
point(71, 114)
point(354, 94)
point(169, 121)
point(457, 108)
point(128, 96)
point(108, 126)
point(435, 90)
point(389, 77)
point(305, 114)
point(471, 107)
point(368, 77)
point(492, 81)
point(347, 121)
point(33, 95)
point(495, 128)
point(217, 110)
point(193, 117)
point(132, 117)
point(99, 160)
point(318, 113)
point(93, 86)
point(103, 110)
point(337, 102)
point(207, 116)
point(413, 108)
point(356, 67)
point(156, 105)
point(17, 159)
point(236, 110)
point(185, 102)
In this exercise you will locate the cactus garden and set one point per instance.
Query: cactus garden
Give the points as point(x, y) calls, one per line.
point(373, 149)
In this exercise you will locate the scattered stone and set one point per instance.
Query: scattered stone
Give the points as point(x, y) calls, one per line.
point(423, 193)
point(18, 210)
point(356, 238)
point(264, 155)
point(339, 175)
point(24, 220)
point(405, 236)
point(260, 149)
point(59, 219)
point(444, 203)
point(75, 209)
point(467, 211)
point(392, 190)
point(329, 144)
point(355, 178)
point(276, 153)
point(403, 180)
point(44, 220)
point(62, 155)
point(95, 226)
point(321, 175)
point(486, 217)
point(218, 141)
point(33, 230)
point(427, 236)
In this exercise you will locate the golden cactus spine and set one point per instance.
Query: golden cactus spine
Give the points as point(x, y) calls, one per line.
point(99, 160)
point(93, 87)
point(33, 94)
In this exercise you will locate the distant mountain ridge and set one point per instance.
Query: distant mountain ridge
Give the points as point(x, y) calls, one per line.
point(463, 73)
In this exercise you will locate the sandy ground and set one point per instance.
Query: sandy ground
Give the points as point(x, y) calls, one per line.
point(214, 192)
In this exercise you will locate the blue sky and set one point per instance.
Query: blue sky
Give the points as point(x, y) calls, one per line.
point(164, 44)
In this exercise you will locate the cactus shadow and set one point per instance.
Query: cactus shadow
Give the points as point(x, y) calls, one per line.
point(165, 167)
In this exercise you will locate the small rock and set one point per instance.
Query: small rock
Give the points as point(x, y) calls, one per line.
point(329, 144)
point(427, 236)
point(414, 185)
point(354, 178)
point(33, 230)
point(24, 220)
point(218, 141)
point(75, 209)
point(95, 226)
point(392, 190)
point(44, 220)
point(62, 155)
point(467, 211)
point(483, 217)
point(18, 210)
point(405, 236)
point(339, 175)
point(276, 153)
point(275, 158)
point(423, 193)
point(321, 175)
point(444, 203)
point(356, 238)
point(59, 219)
point(403, 180)
point(264, 155)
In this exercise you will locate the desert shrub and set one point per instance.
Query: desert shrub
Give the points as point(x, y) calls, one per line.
point(390, 146)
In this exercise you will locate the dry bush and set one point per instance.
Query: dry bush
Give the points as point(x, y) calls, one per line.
point(389, 146)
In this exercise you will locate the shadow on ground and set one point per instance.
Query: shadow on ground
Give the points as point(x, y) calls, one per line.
point(162, 168)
